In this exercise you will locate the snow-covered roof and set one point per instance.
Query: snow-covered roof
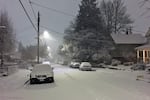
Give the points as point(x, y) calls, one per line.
point(143, 47)
point(129, 38)
point(148, 33)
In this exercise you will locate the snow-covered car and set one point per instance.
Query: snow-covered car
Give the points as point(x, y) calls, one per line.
point(5, 73)
point(74, 64)
point(148, 69)
point(85, 66)
point(46, 62)
point(41, 72)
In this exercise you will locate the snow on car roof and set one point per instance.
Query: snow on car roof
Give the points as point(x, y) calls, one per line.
point(42, 67)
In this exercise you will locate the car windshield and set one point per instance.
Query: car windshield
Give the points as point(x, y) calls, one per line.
point(86, 63)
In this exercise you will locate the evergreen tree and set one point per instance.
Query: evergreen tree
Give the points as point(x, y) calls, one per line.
point(86, 36)
point(89, 17)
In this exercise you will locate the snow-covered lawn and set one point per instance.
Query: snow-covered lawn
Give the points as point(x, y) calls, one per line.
point(72, 84)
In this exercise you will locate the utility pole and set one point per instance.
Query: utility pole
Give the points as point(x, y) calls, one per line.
point(38, 38)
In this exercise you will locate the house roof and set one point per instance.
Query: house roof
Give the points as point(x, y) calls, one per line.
point(143, 47)
point(147, 33)
point(129, 38)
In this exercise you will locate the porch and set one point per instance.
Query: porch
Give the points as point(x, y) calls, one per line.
point(143, 54)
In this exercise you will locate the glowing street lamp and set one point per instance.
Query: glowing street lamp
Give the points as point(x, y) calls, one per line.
point(47, 36)
point(49, 51)
point(48, 48)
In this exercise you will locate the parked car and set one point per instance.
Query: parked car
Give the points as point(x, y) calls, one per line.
point(85, 66)
point(138, 66)
point(148, 68)
point(46, 62)
point(41, 73)
point(75, 64)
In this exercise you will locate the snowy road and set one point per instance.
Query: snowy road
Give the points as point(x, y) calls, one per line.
point(72, 84)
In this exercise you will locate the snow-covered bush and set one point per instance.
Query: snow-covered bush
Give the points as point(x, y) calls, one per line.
point(115, 62)
point(101, 57)
point(138, 66)
point(128, 63)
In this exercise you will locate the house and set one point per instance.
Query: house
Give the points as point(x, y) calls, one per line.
point(143, 52)
point(125, 45)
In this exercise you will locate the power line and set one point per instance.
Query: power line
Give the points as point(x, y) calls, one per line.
point(52, 9)
point(51, 29)
point(27, 15)
point(32, 9)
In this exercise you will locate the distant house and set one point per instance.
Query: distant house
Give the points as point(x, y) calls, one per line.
point(143, 52)
point(125, 45)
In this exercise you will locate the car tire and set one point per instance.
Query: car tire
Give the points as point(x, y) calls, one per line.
point(50, 80)
point(32, 81)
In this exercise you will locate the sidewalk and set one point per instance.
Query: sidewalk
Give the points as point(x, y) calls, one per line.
point(8, 70)
point(119, 67)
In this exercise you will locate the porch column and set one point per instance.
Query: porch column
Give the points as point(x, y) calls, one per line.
point(138, 54)
point(144, 60)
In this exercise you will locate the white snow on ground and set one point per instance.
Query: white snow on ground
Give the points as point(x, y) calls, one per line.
point(72, 84)
point(9, 85)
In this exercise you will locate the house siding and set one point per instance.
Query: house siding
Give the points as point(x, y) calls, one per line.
point(126, 51)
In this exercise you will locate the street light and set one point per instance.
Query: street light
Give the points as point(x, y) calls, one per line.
point(46, 35)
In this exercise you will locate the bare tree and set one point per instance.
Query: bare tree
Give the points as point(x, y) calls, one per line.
point(146, 5)
point(115, 15)
point(7, 35)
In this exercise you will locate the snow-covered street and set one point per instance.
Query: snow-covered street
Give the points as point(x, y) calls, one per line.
point(72, 84)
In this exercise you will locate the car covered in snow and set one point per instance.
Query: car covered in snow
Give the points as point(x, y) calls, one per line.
point(148, 68)
point(85, 66)
point(75, 64)
point(46, 62)
point(41, 73)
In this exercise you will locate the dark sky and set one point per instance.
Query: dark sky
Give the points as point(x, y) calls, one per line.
point(58, 22)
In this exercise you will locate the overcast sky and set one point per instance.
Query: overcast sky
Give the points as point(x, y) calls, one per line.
point(58, 22)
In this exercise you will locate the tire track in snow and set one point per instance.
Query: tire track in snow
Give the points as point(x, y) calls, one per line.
point(84, 87)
